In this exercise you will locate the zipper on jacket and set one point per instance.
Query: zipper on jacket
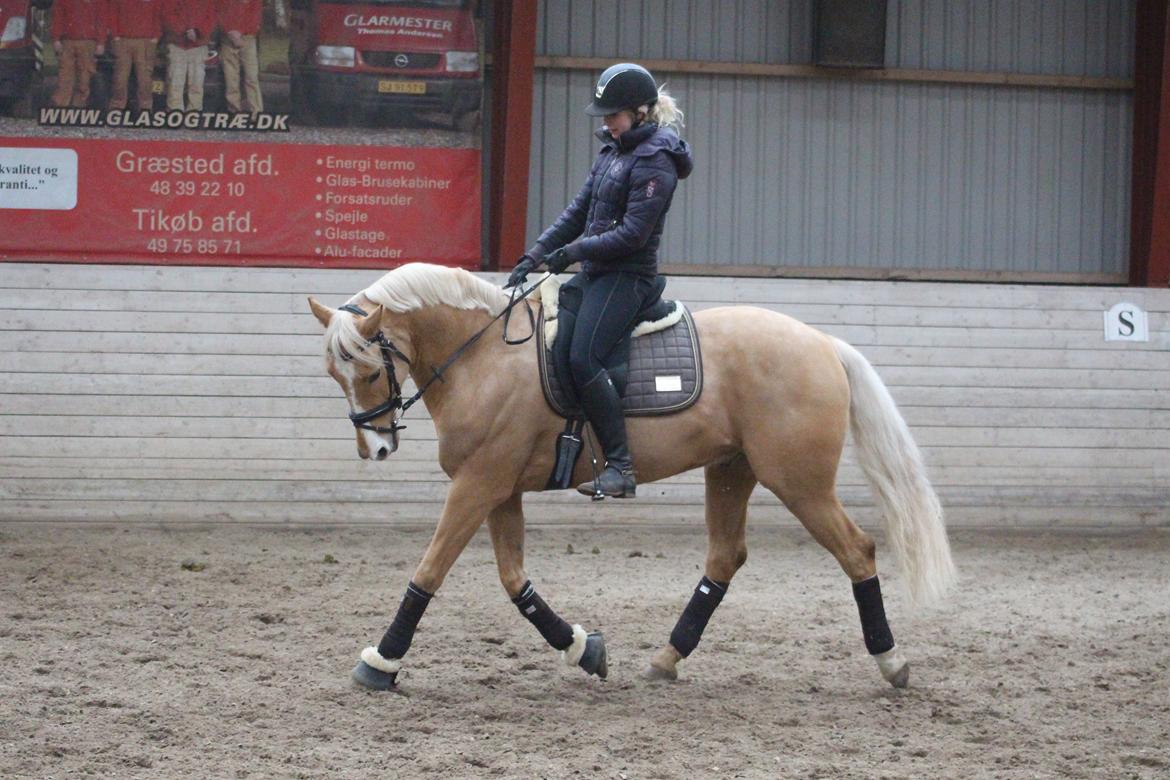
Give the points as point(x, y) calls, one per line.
point(612, 162)
point(614, 222)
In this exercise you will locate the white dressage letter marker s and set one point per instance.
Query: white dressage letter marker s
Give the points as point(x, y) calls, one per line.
point(1126, 322)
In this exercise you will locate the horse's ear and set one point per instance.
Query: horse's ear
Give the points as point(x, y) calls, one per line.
point(368, 327)
point(322, 312)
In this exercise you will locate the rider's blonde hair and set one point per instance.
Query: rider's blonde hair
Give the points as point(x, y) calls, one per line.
point(665, 113)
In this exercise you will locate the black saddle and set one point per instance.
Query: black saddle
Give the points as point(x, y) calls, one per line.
point(658, 373)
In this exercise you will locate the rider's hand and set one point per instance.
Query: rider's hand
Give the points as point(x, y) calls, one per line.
point(525, 266)
point(558, 260)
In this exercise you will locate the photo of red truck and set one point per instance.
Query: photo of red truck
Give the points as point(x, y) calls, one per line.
point(397, 58)
point(23, 31)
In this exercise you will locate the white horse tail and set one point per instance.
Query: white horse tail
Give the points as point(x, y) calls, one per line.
point(893, 466)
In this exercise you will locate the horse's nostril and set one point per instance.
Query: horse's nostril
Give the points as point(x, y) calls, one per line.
point(383, 452)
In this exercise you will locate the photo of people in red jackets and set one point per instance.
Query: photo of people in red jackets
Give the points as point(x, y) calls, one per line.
point(135, 27)
point(240, 22)
point(188, 25)
point(79, 32)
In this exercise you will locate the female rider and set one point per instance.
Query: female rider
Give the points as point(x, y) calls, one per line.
point(613, 227)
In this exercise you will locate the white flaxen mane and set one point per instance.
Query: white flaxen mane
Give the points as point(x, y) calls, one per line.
point(407, 288)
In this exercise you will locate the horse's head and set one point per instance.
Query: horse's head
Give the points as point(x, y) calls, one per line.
point(365, 354)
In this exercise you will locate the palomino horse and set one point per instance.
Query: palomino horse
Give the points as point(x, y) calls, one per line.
point(777, 399)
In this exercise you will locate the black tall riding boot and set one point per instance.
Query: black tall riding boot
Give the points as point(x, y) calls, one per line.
point(603, 406)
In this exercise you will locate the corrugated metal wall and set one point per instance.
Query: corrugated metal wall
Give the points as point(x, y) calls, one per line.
point(850, 176)
point(1055, 37)
point(774, 31)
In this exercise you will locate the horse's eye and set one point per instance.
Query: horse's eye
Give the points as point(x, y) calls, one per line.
point(374, 376)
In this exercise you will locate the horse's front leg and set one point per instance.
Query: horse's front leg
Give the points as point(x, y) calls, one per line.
point(578, 648)
point(468, 502)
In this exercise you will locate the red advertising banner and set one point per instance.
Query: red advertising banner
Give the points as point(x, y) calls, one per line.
point(339, 133)
point(165, 202)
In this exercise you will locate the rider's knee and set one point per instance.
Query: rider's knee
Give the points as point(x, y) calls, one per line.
point(582, 368)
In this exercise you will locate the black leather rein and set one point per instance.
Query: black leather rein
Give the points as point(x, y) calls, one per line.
point(394, 400)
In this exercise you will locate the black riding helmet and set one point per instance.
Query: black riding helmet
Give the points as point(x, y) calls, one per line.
point(622, 86)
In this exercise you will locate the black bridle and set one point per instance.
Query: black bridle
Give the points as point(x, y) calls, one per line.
point(394, 400)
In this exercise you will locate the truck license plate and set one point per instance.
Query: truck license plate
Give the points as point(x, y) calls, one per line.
point(402, 87)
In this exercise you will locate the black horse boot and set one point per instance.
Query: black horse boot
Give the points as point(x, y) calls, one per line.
point(603, 406)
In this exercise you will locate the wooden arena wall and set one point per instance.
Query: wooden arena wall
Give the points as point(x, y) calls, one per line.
point(197, 394)
point(996, 142)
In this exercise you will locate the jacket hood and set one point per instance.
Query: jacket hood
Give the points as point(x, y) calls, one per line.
point(648, 140)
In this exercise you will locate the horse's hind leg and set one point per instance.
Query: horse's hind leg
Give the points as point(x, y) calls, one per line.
point(729, 485)
point(506, 523)
point(854, 550)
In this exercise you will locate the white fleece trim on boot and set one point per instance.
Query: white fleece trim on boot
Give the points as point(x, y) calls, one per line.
point(890, 662)
point(388, 665)
point(572, 654)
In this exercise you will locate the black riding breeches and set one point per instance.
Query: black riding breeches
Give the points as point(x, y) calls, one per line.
point(605, 306)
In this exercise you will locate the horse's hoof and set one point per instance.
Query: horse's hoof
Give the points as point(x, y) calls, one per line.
point(593, 660)
point(658, 674)
point(894, 667)
point(900, 678)
point(368, 677)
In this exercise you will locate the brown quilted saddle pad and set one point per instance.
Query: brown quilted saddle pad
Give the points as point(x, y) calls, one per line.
point(664, 372)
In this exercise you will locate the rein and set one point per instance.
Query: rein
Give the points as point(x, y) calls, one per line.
point(394, 400)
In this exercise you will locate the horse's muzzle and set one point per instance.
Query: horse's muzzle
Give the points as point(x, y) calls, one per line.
point(373, 446)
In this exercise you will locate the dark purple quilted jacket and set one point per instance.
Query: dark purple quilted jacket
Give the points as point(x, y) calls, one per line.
point(615, 222)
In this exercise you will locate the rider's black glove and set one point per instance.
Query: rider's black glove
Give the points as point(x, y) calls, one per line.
point(525, 266)
point(558, 260)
